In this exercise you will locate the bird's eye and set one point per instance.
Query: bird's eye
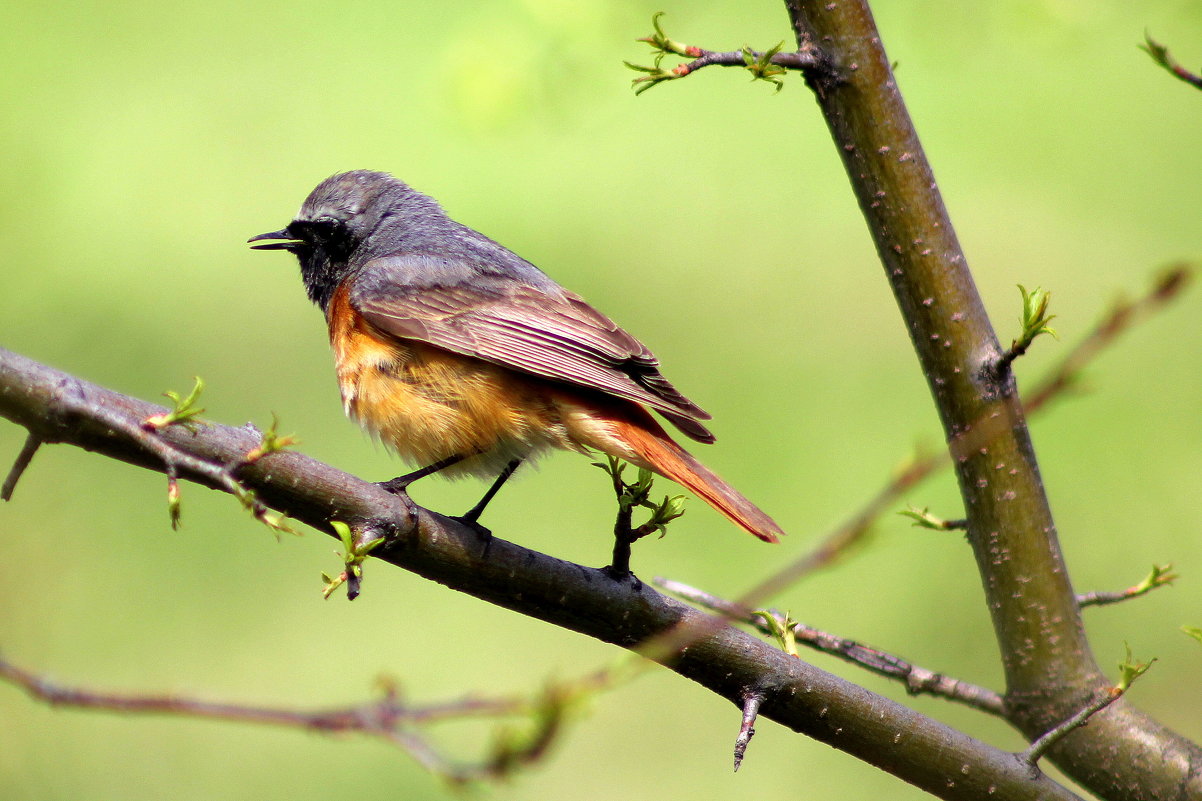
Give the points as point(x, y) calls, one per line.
point(318, 230)
point(326, 227)
point(326, 233)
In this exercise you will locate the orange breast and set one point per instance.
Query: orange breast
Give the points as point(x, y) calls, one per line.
point(428, 404)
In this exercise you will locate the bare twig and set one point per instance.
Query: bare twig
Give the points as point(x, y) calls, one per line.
point(924, 519)
point(389, 718)
point(1121, 318)
point(751, 710)
point(1130, 670)
point(513, 750)
point(175, 459)
point(1160, 54)
point(1123, 315)
point(917, 680)
point(369, 718)
point(730, 609)
point(840, 541)
point(174, 504)
point(619, 563)
point(793, 60)
point(32, 443)
point(1037, 749)
point(1161, 576)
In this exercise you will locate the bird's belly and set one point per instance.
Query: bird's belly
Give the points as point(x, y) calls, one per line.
point(428, 404)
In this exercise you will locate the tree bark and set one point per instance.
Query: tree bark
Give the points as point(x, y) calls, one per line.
point(1050, 670)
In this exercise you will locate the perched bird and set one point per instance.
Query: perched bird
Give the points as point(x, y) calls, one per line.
point(463, 357)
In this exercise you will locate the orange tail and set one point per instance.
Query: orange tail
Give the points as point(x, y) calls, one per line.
point(656, 451)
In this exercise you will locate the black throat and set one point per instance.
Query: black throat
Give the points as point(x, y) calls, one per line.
point(321, 274)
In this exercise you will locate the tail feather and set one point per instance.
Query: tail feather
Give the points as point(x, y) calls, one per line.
point(656, 451)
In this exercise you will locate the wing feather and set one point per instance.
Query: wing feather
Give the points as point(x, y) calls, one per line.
point(555, 335)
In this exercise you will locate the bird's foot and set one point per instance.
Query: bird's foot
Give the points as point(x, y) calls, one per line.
point(469, 520)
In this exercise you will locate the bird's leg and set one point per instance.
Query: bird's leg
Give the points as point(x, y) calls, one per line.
point(400, 484)
point(472, 516)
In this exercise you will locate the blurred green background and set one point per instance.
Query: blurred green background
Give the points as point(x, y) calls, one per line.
point(144, 142)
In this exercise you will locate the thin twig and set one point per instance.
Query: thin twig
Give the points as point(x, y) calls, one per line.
point(371, 718)
point(1160, 54)
point(917, 680)
point(843, 538)
point(793, 60)
point(175, 459)
point(1035, 319)
point(924, 519)
point(1120, 319)
point(751, 710)
point(389, 718)
point(32, 443)
point(171, 456)
point(1161, 576)
point(1040, 747)
point(766, 65)
point(840, 540)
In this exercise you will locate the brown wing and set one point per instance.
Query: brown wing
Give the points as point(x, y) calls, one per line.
point(553, 334)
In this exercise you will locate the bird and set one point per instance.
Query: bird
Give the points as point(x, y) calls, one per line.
point(463, 357)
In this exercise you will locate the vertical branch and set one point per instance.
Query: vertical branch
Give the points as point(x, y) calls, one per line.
point(1049, 668)
point(1010, 524)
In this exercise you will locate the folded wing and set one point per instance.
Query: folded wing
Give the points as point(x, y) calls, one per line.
point(549, 333)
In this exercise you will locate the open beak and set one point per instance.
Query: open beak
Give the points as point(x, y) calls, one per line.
point(292, 242)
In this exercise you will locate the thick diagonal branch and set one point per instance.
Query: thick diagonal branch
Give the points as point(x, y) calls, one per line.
point(730, 663)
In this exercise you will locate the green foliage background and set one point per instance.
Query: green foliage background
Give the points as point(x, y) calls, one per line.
point(144, 142)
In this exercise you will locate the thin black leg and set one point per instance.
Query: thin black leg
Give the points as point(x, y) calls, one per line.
point(401, 483)
point(474, 513)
